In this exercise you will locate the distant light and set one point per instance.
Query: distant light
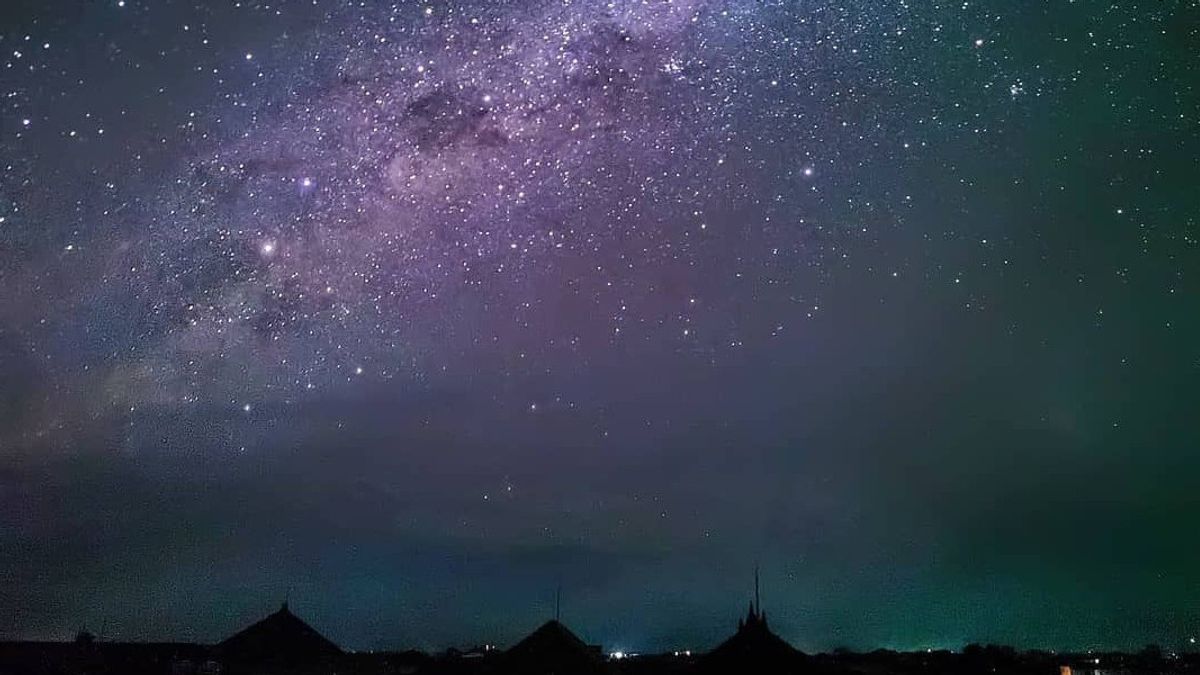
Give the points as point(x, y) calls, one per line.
point(618, 655)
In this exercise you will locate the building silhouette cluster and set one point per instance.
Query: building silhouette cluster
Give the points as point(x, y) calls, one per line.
point(283, 643)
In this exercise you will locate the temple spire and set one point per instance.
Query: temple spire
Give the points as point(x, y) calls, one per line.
point(757, 601)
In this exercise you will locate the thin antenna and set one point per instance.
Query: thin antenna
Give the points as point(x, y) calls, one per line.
point(558, 603)
point(757, 602)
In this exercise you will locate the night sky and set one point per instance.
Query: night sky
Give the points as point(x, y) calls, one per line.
point(413, 311)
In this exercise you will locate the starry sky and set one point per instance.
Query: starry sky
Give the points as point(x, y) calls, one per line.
point(412, 311)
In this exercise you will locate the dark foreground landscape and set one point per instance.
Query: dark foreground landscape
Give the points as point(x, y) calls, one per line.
point(284, 643)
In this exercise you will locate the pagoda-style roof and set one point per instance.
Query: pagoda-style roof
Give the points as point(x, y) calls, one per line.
point(754, 648)
point(280, 637)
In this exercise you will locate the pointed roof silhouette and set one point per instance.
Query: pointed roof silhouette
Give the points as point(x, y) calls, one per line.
point(754, 646)
point(755, 642)
point(553, 648)
point(280, 637)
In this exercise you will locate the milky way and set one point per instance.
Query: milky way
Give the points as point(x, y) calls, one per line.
point(401, 304)
point(470, 155)
point(427, 157)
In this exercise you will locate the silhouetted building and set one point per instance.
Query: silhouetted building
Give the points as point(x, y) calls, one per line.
point(553, 649)
point(754, 648)
point(281, 639)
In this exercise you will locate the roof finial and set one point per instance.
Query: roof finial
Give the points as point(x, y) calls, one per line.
point(757, 601)
point(558, 603)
